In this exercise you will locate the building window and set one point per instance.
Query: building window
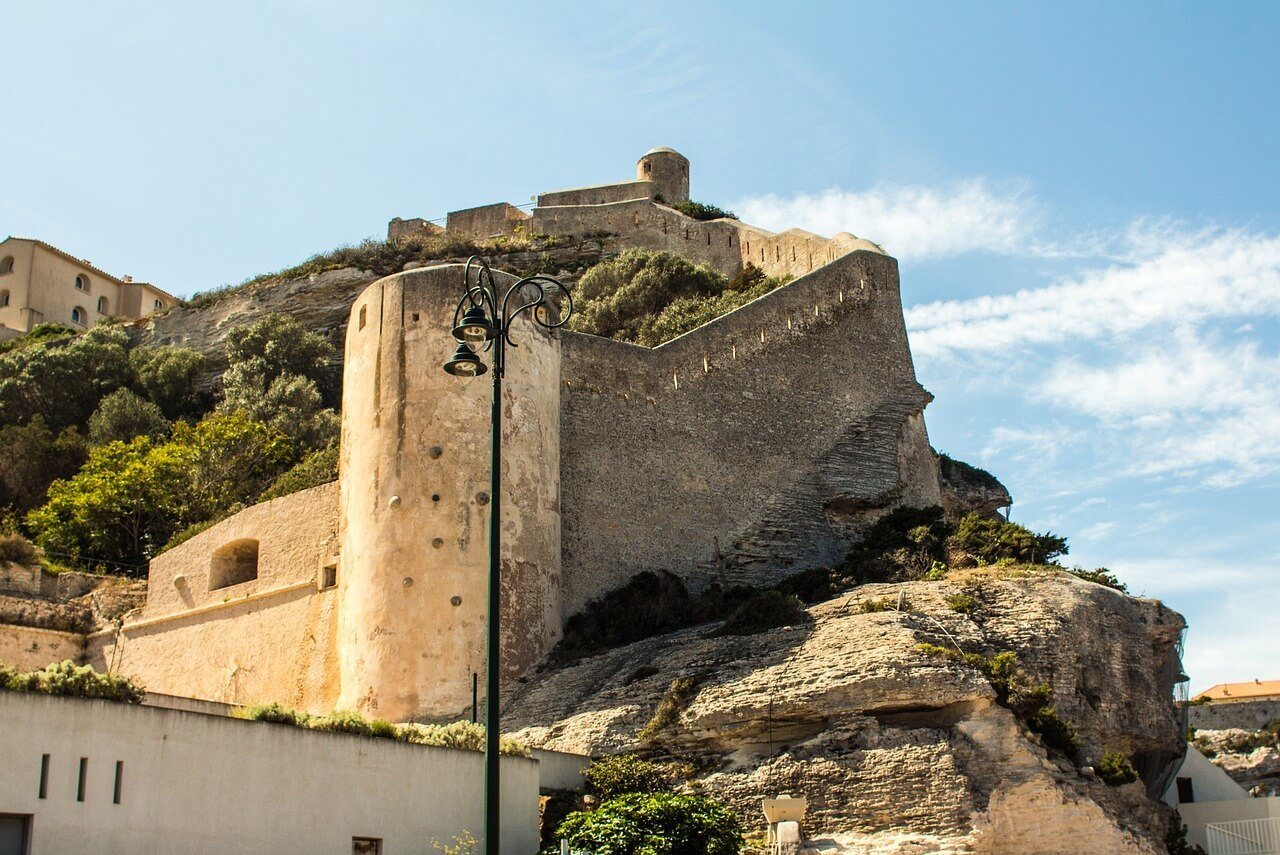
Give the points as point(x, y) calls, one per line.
point(82, 282)
point(78, 316)
point(6, 265)
point(102, 305)
point(15, 832)
point(4, 299)
point(366, 846)
point(158, 305)
point(233, 564)
point(329, 575)
point(1186, 791)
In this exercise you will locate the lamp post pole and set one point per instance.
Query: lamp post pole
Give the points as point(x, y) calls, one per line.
point(487, 322)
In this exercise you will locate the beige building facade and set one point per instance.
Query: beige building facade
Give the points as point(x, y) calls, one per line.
point(41, 284)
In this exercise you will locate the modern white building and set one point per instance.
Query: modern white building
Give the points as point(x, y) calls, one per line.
point(1220, 815)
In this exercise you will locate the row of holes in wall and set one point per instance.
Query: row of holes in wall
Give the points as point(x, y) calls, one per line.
point(82, 779)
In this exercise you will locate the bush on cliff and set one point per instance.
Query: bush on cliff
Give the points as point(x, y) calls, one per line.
point(990, 540)
point(1115, 769)
point(703, 211)
point(63, 383)
point(167, 377)
point(124, 414)
point(654, 824)
point(650, 297)
point(71, 680)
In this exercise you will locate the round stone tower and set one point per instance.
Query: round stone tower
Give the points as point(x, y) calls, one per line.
point(668, 169)
point(415, 503)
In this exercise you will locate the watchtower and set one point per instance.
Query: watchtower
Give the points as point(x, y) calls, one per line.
point(668, 169)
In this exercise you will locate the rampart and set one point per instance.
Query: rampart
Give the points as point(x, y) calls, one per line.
point(486, 220)
point(754, 446)
point(243, 612)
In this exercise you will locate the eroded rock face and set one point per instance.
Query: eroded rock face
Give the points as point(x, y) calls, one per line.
point(1233, 750)
point(967, 489)
point(897, 751)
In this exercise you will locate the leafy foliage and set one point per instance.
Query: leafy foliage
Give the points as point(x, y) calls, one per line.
point(626, 773)
point(129, 499)
point(318, 467)
point(16, 549)
point(122, 415)
point(273, 712)
point(39, 334)
point(679, 695)
point(651, 297)
point(1175, 838)
point(32, 457)
point(462, 735)
point(1027, 698)
point(764, 610)
point(655, 824)
point(167, 377)
point(63, 383)
point(1101, 576)
point(347, 721)
point(67, 678)
point(1115, 769)
point(962, 602)
point(991, 540)
point(703, 211)
point(274, 375)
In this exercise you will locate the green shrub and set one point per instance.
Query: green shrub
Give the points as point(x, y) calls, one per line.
point(122, 415)
point(990, 540)
point(63, 383)
point(903, 545)
point(703, 211)
point(463, 735)
point(68, 679)
point(1175, 838)
point(885, 604)
point(16, 549)
point(348, 721)
point(655, 824)
point(1101, 576)
point(1115, 769)
point(167, 376)
point(1031, 701)
point(39, 334)
point(679, 695)
point(964, 603)
point(32, 457)
point(275, 713)
point(318, 467)
point(763, 611)
point(625, 773)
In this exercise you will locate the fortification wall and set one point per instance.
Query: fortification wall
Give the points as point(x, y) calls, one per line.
point(486, 220)
point(399, 230)
point(29, 648)
point(724, 245)
point(600, 194)
point(753, 447)
point(270, 638)
point(415, 502)
point(1247, 715)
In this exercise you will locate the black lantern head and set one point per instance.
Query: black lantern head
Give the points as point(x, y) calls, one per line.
point(475, 327)
point(465, 363)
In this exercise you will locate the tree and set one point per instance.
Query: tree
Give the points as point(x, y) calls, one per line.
point(122, 505)
point(167, 376)
point(274, 376)
point(122, 415)
point(655, 824)
point(616, 297)
point(63, 382)
point(32, 457)
point(130, 498)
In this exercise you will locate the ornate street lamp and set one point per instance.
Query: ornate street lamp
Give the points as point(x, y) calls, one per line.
point(483, 319)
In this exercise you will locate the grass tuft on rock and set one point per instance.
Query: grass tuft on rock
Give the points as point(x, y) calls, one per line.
point(679, 695)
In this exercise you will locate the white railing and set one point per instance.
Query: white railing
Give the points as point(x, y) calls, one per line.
point(1244, 837)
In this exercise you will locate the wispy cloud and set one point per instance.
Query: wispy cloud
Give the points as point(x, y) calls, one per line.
point(1170, 279)
point(910, 222)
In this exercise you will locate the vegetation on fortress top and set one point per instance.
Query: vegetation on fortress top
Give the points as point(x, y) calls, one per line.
point(651, 297)
point(108, 454)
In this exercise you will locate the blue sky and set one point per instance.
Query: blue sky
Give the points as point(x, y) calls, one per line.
point(1083, 200)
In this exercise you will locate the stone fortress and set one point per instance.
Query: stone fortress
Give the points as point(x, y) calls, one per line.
point(755, 446)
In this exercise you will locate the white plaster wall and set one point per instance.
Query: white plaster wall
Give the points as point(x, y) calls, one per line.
point(29, 648)
point(1209, 783)
point(198, 783)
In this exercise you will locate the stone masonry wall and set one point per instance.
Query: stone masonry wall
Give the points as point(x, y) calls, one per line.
point(1247, 715)
point(752, 447)
point(486, 220)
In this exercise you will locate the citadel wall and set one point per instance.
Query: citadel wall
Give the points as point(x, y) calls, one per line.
point(269, 638)
point(415, 502)
point(486, 220)
point(751, 447)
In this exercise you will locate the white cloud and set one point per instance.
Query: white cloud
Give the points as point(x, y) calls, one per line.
point(1168, 278)
point(910, 222)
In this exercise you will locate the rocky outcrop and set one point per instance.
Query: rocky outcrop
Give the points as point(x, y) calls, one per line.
point(967, 489)
point(67, 602)
point(895, 750)
point(1250, 757)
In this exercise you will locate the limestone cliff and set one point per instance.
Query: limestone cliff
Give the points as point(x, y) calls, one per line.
point(898, 751)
